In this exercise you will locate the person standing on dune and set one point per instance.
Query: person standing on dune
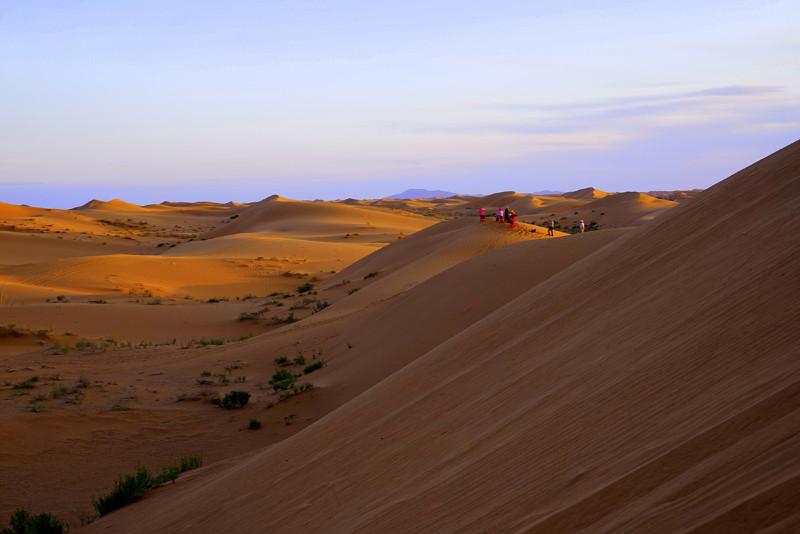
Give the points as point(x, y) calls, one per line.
point(551, 227)
point(582, 226)
point(506, 216)
point(499, 217)
point(513, 218)
point(482, 213)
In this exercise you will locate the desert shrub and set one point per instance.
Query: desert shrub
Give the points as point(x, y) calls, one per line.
point(211, 341)
point(254, 424)
point(300, 360)
point(282, 379)
point(28, 383)
point(169, 473)
point(127, 489)
point(61, 298)
point(305, 288)
point(233, 400)
point(205, 373)
point(292, 274)
point(321, 305)
point(373, 274)
point(98, 301)
point(313, 366)
point(351, 291)
point(296, 390)
point(284, 320)
point(282, 361)
point(154, 302)
point(82, 382)
point(248, 316)
point(24, 522)
point(131, 488)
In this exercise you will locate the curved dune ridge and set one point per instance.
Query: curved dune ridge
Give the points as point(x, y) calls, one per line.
point(587, 193)
point(115, 204)
point(650, 385)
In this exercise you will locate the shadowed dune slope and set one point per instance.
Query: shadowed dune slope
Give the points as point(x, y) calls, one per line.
point(651, 387)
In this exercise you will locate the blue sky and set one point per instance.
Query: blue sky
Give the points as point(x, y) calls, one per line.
point(190, 100)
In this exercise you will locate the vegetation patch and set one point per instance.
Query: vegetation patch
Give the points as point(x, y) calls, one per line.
point(305, 288)
point(313, 366)
point(282, 379)
point(232, 400)
point(131, 488)
point(24, 522)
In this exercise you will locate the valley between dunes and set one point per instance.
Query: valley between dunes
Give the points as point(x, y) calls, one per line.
point(642, 376)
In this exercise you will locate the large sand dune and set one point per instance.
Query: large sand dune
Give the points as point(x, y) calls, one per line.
point(141, 292)
point(648, 385)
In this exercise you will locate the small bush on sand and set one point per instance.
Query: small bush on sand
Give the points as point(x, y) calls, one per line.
point(313, 366)
point(351, 291)
point(305, 288)
point(169, 473)
point(254, 424)
point(127, 489)
point(233, 400)
point(282, 361)
point(373, 274)
point(131, 488)
point(24, 522)
point(28, 383)
point(282, 379)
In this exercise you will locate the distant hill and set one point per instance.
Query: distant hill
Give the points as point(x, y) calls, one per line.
point(421, 193)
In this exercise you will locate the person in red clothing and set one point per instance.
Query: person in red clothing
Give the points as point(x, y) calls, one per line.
point(513, 218)
point(482, 213)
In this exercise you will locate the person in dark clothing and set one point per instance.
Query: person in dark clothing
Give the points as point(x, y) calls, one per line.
point(506, 216)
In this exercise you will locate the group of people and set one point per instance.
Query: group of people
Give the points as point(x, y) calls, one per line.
point(507, 216)
point(503, 215)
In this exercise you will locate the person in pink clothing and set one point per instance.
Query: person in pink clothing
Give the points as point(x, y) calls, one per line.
point(482, 213)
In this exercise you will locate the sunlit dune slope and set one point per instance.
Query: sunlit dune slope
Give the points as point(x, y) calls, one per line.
point(587, 193)
point(321, 220)
point(650, 387)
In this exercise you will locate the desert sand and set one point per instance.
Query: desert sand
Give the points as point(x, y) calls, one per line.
point(638, 377)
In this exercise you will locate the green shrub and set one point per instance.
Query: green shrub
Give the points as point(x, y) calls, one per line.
point(127, 489)
point(254, 424)
point(28, 383)
point(248, 316)
point(305, 288)
point(351, 291)
point(24, 522)
point(373, 274)
point(282, 379)
point(300, 360)
point(131, 488)
point(169, 473)
point(313, 366)
point(212, 341)
point(282, 361)
point(233, 399)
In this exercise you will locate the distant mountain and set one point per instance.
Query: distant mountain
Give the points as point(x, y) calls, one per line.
point(547, 192)
point(421, 193)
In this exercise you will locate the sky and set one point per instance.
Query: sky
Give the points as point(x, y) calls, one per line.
point(200, 100)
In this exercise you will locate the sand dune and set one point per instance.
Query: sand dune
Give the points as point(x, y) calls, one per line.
point(650, 386)
point(114, 204)
point(587, 193)
point(319, 219)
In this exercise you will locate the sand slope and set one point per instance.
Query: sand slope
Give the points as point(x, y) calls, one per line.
point(651, 387)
